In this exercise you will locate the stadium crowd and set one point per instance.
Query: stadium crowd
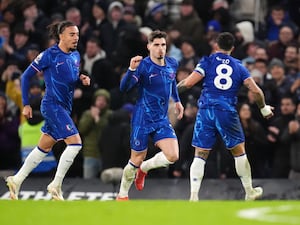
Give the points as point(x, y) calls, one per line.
point(111, 32)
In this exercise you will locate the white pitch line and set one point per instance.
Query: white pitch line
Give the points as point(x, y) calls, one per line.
point(268, 214)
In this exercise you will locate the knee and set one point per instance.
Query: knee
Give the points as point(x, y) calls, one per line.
point(172, 158)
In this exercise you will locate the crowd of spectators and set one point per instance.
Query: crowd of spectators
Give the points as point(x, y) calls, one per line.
point(111, 32)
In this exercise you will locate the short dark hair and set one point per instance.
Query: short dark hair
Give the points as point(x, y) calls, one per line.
point(225, 41)
point(156, 34)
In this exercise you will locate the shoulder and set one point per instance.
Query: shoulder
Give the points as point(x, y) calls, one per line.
point(171, 61)
point(75, 53)
point(53, 49)
point(235, 60)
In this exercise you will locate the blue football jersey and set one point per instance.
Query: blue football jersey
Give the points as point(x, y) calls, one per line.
point(156, 84)
point(61, 75)
point(223, 77)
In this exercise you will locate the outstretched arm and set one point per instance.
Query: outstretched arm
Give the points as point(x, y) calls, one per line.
point(259, 97)
point(189, 82)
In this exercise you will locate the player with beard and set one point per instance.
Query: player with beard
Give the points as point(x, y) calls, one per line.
point(155, 78)
point(60, 66)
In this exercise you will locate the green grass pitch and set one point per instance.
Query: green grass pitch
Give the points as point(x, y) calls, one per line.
point(151, 212)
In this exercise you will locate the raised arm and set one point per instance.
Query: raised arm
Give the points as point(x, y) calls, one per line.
point(131, 77)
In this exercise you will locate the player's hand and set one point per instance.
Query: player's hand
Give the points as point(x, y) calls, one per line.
point(27, 111)
point(267, 111)
point(85, 79)
point(179, 110)
point(135, 62)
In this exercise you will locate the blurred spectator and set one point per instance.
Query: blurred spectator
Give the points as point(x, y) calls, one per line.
point(104, 75)
point(110, 32)
point(18, 49)
point(189, 24)
point(222, 18)
point(291, 60)
point(261, 53)
point(11, 76)
point(257, 76)
point(276, 48)
point(91, 125)
point(245, 39)
point(252, 10)
point(295, 89)
point(255, 142)
point(278, 17)
point(173, 48)
point(10, 156)
point(34, 22)
point(114, 142)
point(32, 52)
point(156, 16)
point(130, 16)
point(293, 133)
point(189, 57)
point(10, 13)
point(98, 18)
point(281, 144)
point(118, 98)
point(93, 52)
point(5, 38)
point(282, 82)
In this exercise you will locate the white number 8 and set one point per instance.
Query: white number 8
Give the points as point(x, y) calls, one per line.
point(223, 76)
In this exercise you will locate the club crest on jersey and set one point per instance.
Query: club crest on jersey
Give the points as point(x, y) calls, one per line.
point(69, 127)
point(38, 58)
point(137, 142)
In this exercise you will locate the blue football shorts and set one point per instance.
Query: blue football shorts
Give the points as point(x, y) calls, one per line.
point(140, 134)
point(58, 122)
point(209, 122)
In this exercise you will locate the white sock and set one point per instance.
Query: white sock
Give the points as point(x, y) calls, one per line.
point(128, 176)
point(159, 160)
point(32, 160)
point(196, 175)
point(243, 170)
point(65, 162)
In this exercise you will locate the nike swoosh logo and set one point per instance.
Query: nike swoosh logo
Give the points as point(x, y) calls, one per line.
point(153, 75)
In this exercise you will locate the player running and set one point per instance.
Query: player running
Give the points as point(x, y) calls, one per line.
point(222, 77)
point(155, 78)
point(60, 65)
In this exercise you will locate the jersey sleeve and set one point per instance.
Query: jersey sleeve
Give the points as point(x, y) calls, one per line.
point(131, 78)
point(175, 94)
point(244, 72)
point(39, 63)
point(200, 67)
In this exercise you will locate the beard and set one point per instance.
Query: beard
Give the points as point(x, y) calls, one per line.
point(160, 57)
point(74, 48)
